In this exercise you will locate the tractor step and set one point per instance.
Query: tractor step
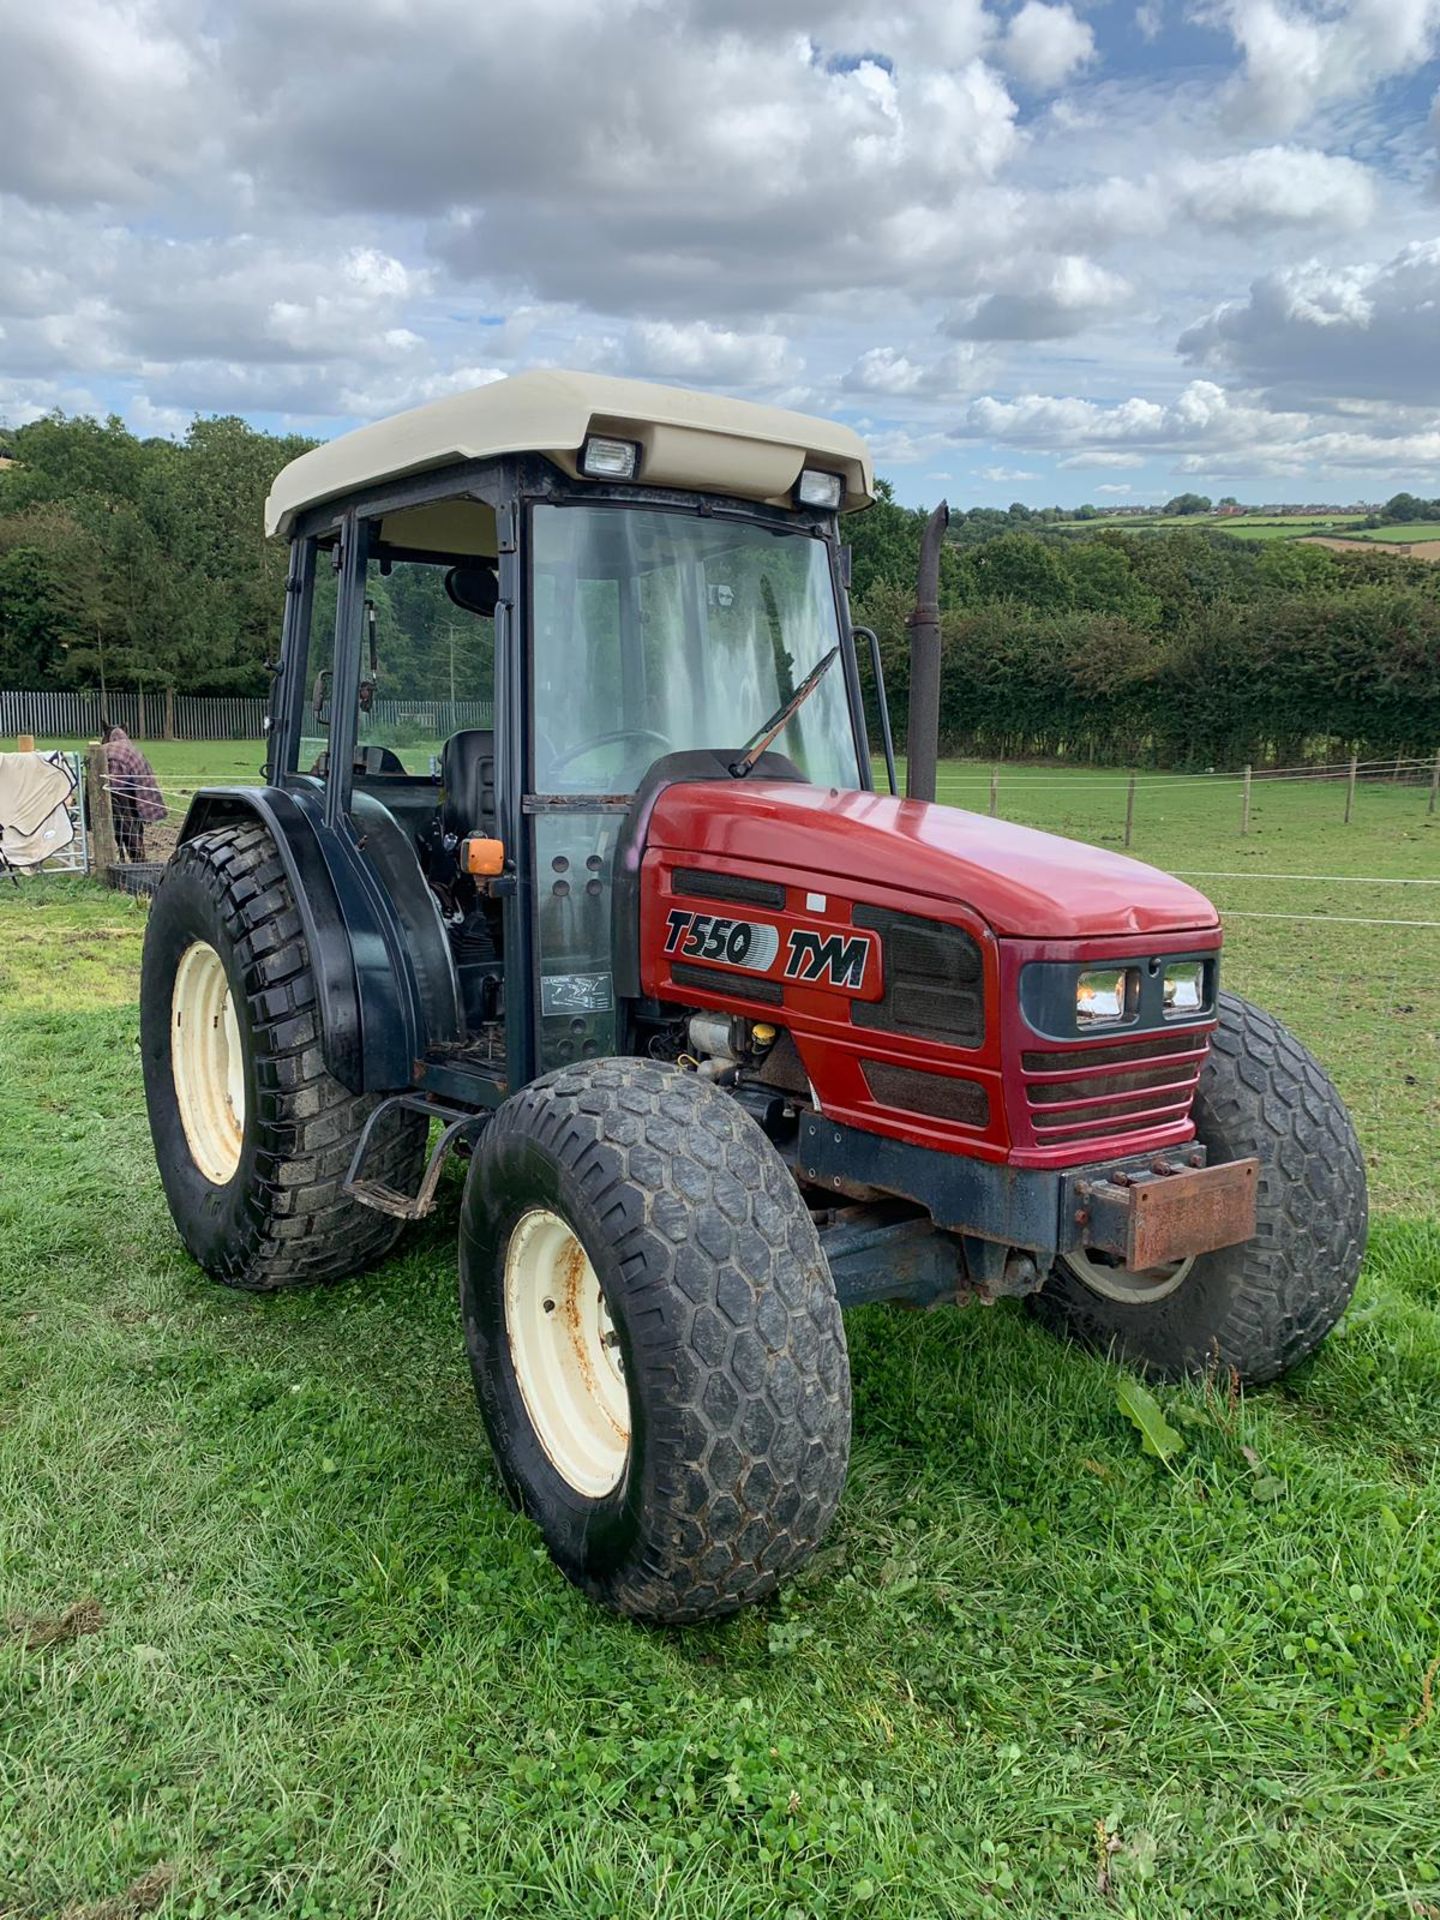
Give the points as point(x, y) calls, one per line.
point(460, 1124)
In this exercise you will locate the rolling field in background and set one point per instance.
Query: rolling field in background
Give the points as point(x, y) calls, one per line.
point(272, 1643)
point(1328, 530)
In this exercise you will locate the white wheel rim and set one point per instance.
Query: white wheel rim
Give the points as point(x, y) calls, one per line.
point(207, 1063)
point(1136, 1288)
point(566, 1354)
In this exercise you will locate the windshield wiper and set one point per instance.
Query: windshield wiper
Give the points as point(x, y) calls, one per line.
point(778, 721)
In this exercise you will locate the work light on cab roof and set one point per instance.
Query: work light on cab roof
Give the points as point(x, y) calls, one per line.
point(570, 858)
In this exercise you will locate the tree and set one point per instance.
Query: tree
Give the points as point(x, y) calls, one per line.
point(49, 578)
point(1404, 507)
point(1188, 503)
point(884, 541)
point(1021, 567)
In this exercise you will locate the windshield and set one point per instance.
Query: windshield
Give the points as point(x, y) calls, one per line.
point(655, 632)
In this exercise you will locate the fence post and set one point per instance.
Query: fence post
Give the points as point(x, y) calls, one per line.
point(1130, 810)
point(97, 805)
point(1434, 782)
point(1350, 791)
point(169, 713)
point(1245, 802)
point(994, 791)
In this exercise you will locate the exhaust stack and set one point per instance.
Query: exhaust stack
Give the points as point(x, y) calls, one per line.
point(922, 743)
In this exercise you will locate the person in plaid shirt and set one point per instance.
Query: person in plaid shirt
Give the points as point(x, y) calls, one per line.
point(134, 791)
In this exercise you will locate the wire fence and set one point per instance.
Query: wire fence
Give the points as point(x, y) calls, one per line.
point(1346, 778)
point(78, 714)
point(1081, 803)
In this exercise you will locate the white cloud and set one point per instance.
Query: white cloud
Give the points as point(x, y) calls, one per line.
point(147, 419)
point(1006, 476)
point(1041, 297)
point(1045, 44)
point(884, 370)
point(1326, 333)
point(1299, 58)
point(1112, 487)
point(701, 354)
point(894, 447)
point(1275, 187)
point(1205, 429)
point(1079, 462)
point(372, 400)
point(102, 102)
point(104, 295)
point(841, 205)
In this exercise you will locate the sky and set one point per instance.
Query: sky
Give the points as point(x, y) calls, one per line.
point(1088, 251)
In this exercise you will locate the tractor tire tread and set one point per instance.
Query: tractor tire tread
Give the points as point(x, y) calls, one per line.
point(300, 1228)
point(731, 1299)
point(1261, 1092)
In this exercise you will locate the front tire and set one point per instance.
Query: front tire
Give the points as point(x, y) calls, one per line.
point(253, 1136)
point(1261, 1307)
point(657, 1348)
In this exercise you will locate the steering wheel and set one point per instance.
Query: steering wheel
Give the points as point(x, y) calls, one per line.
point(607, 740)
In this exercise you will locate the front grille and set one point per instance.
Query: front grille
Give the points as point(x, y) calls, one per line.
point(939, 1095)
point(730, 981)
point(1084, 1093)
point(700, 884)
point(934, 974)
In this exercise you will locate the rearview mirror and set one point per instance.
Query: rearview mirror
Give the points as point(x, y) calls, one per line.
point(475, 588)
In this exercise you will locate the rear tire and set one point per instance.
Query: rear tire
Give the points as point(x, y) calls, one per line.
point(253, 1135)
point(1261, 1307)
point(625, 1215)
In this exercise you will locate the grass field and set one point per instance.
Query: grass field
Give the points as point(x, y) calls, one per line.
point(1283, 527)
point(277, 1646)
point(1400, 535)
point(1246, 526)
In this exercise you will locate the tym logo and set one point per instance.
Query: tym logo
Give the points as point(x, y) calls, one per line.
point(826, 956)
point(831, 959)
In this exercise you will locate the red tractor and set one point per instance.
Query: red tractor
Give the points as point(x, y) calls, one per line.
point(569, 850)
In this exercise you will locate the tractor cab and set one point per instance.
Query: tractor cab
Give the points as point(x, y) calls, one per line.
point(504, 612)
point(569, 858)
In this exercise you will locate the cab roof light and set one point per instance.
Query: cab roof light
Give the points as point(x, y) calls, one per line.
point(602, 458)
point(817, 489)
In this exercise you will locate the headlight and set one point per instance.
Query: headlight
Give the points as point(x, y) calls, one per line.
point(1185, 987)
point(1105, 996)
point(605, 459)
point(817, 489)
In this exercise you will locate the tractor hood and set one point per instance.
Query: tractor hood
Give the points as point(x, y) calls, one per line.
point(1023, 882)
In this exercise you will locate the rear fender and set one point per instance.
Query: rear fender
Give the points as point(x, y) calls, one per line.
point(375, 980)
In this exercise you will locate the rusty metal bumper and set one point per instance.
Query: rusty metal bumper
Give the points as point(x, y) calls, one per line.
point(1146, 1209)
point(1163, 1212)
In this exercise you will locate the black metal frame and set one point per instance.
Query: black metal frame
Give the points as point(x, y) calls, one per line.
point(882, 702)
point(375, 1047)
point(539, 483)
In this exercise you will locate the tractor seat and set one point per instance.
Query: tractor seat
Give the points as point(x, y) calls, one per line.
point(467, 782)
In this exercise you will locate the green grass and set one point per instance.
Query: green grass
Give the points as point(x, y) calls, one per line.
point(1399, 534)
point(337, 1677)
point(1290, 529)
point(1258, 527)
point(1247, 526)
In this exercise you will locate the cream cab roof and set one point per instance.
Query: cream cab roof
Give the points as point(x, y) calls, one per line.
point(688, 440)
